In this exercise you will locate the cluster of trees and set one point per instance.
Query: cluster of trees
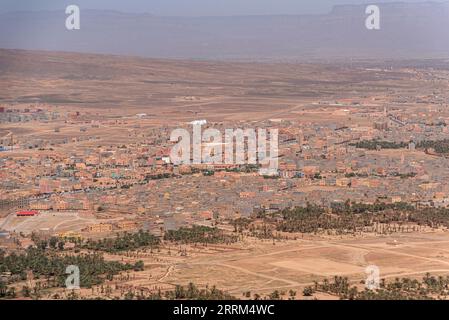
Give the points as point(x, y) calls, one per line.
point(158, 176)
point(346, 218)
point(405, 175)
point(124, 242)
point(275, 295)
point(315, 223)
point(192, 292)
point(349, 207)
point(354, 174)
point(50, 267)
point(428, 288)
point(51, 243)
point(199, 234)
point(375, 143)
point(5, 292)
point(440, 146)
point(394, 174)
point(241, 224)
point(274, 177)
point(189, 292)
point(311, 219)
point(432, 217)
point(247, 168)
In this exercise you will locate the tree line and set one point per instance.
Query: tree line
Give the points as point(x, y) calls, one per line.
point(123, 242)
point(200, 235)
point(344, 218)
point(428, 288)
point(49, 267)
point(375, 143)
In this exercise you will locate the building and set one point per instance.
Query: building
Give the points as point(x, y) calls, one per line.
point(126, 225)
point(342, 182)
point(30, 213)
point(46, 186)
point(247, 195)
point(101, 227)
point(40, 205)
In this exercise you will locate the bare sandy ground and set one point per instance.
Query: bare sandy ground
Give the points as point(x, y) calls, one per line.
point(261, 267)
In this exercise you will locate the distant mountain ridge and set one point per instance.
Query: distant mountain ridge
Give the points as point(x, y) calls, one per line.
point(408, 30)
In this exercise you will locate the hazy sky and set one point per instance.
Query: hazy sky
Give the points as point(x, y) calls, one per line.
point(192, 7)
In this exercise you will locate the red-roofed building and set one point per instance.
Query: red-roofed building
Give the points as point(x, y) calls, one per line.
point(30, 213)
point(207, 215)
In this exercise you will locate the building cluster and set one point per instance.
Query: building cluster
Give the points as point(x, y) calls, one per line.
point(319, 162)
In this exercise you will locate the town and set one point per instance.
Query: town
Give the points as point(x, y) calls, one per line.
point(360, 169)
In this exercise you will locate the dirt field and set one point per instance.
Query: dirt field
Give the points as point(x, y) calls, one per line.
point(261, 267)
point(49, 221)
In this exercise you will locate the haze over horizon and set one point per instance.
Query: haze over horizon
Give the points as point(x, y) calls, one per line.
point(408, 30)
point(191, 8)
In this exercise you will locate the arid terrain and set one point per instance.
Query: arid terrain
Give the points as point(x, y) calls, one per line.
point(85, 156)
point(292, 265)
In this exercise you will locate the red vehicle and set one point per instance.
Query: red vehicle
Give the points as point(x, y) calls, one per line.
point(31, 213)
